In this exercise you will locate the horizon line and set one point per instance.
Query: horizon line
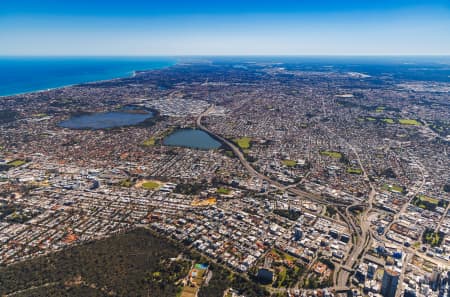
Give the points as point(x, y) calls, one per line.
point(238, 55)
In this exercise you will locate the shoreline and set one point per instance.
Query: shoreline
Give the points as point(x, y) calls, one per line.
point(129, 74)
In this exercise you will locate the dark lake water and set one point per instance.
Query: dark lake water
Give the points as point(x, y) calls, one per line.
point(104, 120)
point(191, 138)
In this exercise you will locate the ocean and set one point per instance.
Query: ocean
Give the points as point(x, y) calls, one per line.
point(27, 74)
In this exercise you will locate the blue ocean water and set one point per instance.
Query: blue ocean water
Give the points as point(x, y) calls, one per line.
point(27, 74)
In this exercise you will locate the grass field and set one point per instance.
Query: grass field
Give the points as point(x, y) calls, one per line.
point(243, 142)
point(223, 191)
point(332, 154)
point(150, 142)
point(354, 170)
point(409, 122)
point(289, 163)
point(16, 163)
point(393, 188)
point(426, 202)
point(151, 185)
point(40, 115)
point(428, 199)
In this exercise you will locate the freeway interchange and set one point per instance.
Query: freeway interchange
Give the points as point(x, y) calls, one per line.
point(361, 232)
point(360, 226)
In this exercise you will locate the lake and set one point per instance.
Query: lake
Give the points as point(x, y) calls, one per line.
point(105, 120)
point(191, 138)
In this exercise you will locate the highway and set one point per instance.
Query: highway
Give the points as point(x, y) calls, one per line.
point(238, 153)
point(362, 233)
point(361, 230)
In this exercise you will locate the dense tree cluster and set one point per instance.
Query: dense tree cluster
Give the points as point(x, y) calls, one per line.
point(223, 279)
point(190, 189)
point(123, 265)
point(138, 263)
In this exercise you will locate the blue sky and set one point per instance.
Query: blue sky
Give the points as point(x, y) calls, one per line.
point(283, 27)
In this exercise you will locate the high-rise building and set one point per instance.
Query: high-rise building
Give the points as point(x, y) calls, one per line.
point(371, 270)
point(434, 279)
point(298, 233)
point(389, 283)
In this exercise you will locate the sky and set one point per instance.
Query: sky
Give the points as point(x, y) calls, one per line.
point(227, 27)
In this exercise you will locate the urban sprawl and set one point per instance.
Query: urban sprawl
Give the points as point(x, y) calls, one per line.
point(326, 183)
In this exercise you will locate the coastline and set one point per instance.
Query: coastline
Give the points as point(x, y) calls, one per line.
point(128, 74)
point(67, 86)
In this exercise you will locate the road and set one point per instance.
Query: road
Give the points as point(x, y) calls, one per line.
point(238, 153)
point(411, 196)
point(362, 243)
point(360, 229)
point(362, 233)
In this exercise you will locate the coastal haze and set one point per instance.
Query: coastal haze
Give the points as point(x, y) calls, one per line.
point(137, 161)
